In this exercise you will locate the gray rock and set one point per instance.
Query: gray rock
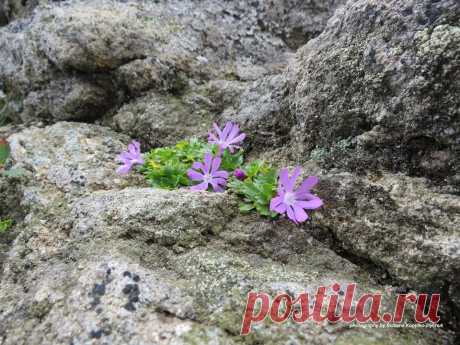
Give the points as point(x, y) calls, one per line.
point(263, 113)
point(398, 223)
point(91, 261)
point(177, 218)
point(65, 65)
point(142, 265)
point(163, 120)
point(88, 279)
point(287, 19)
point(74, 157)
point(383, 74)
point(14, 9)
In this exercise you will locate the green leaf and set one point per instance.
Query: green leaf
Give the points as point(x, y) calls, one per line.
point(166, 167)
point(5, 225)
point(4, 151)
point(257, 189)
point(246, 207)
point(231, 161)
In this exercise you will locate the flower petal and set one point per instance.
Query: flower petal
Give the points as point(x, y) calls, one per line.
point(299, 213)
point(220, 173)
point(198, 166)
point(132, 148)
point(308, 184)
point(194, 175)
point(215, 164)
point(311, 204)
point(234, 132)
point(217, 188)
point(212, 138)
point(220, 181)
point(283, 179)
point(238, 139)
point(291, 214)
point(124, 169)
point(123, 157)
point(216, 127)
point(200, 187)
point(291, 183)
point(228, 127)
point(207, 162)
point(277, 205)
point(304, 195)
point(137, 146)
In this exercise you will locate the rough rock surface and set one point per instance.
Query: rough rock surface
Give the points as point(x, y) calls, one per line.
point(121, 266)
point(50, 72)
point(140, 265)
point(369, 103)
point(76, 158)
point(263, 111)
point(13, 9)
point(385, 75)
point(407, 229)
point(158, 120)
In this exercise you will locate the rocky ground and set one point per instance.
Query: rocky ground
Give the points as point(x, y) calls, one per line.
point(364, 94)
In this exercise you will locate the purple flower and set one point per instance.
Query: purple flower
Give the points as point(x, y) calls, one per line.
point(129, 158)
point(229, 137)
point(239, 174)
point(209, 174)
point(295, 202)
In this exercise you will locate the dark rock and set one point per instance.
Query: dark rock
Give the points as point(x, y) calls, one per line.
point(389, 82)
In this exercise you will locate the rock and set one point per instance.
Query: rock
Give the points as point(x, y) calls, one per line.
point(76, 158)
point(141, 265)
point(141, 75)
point(3, 17)
point(64, 65)
point(383, 74)
point(369, 104)
point(53, 73)
point(179, 218)
point(14, 9)
point(80, 100)
point(287, 19)
point(10, 209)
point(159, 120)
point(110, 299)
point(398, 223)
point(89, 51)
point(262, 112)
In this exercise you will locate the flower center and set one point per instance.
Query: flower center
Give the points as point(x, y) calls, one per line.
point(207, 178)
point(289, 198)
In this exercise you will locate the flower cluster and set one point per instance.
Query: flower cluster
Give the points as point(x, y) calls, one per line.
point(209, 174)
point(218, 164)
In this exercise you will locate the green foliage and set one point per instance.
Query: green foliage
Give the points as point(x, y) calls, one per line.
point(231, 161)
point(166, 167)
point(5, 224)
point(4, 151)
point(258, 188)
